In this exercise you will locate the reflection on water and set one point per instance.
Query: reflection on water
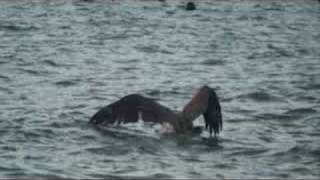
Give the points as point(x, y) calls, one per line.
point(60, 61)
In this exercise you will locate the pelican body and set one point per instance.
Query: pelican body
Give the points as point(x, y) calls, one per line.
point(134, 107)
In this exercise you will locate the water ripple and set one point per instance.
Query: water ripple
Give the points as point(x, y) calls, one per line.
point(259, 96)
point(61, 61)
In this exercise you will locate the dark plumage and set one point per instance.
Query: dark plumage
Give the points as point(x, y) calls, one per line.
point(133, 107)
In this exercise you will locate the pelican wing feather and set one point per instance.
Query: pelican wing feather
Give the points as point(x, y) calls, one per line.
point(131, 108)
point(205, 102)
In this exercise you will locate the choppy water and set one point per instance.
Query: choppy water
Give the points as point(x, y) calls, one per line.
point(60, 61)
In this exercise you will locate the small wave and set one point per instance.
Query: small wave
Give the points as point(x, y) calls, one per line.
point(3, 77)
point(148, 49)
point(297, 151)
point(255, 55)
point(243, 18)
point(291, 118)
point(6, 90)
point(65, 27)
point(17, 27)
point(301, 111)
point(167, 51)
point(315, 153)
point(61, 124)
point(249, 152)
point(156, 93)
point(310, 86)
point(109, 150)
point(259, 18)
point(303, 51)
point(266, 139)
point(225, 166)
point(33, 157)
point(129, 61)
point(30, 71)
point(34, 72)
point(105, 176)
point(153, 92)
point(77, 113)
point(159, 176)
point(4, 61)
point(129, 69)
point(9, 148)
point(37, 135)
point(51, 63)
point(88, 137)
point(148, 149)
point(9, 169)
point(77, 106)
point(279, 51)
point(213, 62)
point(298, 113)
point(271, 116)
point(66, 83)
point(274, 6)
point(260, 96)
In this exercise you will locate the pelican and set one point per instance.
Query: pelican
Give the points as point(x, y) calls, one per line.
point(133, 107)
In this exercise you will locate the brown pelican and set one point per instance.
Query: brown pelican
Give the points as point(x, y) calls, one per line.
point(134, 107)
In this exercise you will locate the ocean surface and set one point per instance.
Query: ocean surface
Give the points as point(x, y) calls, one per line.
point(61, 61)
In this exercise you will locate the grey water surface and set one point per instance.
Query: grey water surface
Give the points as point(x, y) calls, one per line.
point(60, 61)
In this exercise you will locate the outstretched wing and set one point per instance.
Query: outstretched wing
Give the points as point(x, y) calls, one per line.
point(205, 102)
point(131, 108)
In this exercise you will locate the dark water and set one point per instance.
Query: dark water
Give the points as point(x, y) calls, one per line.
point(60, 61)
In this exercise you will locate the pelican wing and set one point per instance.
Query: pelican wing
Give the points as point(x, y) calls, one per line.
point(131, 108)
point(205, 102)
